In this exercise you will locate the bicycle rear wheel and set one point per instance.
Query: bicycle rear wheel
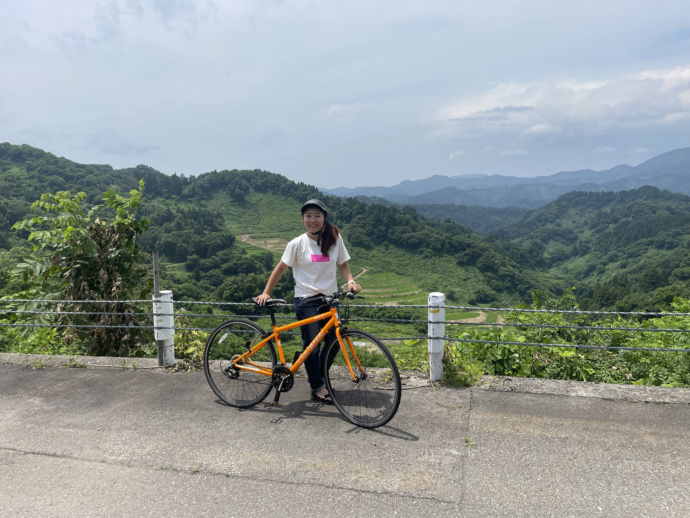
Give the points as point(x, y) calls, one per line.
point(373, 398)
point(234, 386)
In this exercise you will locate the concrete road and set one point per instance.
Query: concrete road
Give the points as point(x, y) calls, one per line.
point(124, 442)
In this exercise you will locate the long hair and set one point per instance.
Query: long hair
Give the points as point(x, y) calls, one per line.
point(328, 237)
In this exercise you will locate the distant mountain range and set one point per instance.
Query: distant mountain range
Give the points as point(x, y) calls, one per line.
point(669, 171)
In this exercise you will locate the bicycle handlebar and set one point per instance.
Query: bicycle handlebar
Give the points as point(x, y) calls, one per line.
point(329, 300)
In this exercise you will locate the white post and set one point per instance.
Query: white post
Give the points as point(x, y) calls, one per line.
point(164, 323)
point(437, 331)
point(163, 319)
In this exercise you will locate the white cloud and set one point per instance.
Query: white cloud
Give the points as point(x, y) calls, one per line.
point(575, 106)
point(336, 109)
point(678, 76)
point(343, 112)
point(455, 153)
point(640, 150)
point(676, 117)
point(684, 97)
point(604, 149)
point(512, 153)
point(541, 130)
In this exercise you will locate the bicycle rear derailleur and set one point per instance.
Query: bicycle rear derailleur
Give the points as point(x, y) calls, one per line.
point(282, 379)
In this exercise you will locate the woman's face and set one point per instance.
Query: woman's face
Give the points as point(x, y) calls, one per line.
point(313, 220)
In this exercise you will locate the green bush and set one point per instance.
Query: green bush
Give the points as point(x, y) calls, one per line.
point(670, 369)
point(41, 340)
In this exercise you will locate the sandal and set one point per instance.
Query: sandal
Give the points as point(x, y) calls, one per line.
point(326, 400)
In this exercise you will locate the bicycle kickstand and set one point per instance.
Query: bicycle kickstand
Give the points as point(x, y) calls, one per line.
point(279, 389)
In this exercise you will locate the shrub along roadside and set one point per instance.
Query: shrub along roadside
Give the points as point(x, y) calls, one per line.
point(82, 253)
point(668, 369)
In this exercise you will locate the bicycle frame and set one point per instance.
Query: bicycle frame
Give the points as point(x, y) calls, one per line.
point(242, 363)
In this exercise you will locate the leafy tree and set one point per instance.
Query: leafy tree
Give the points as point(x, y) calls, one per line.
point(90, 255)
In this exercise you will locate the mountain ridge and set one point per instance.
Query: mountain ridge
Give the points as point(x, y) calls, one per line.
point(670, 170)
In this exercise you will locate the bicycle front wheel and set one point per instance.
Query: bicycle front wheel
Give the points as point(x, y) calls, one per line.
point(228, 380)
point(372, 397)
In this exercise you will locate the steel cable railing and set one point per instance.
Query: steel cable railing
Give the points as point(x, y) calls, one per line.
point(353, 308)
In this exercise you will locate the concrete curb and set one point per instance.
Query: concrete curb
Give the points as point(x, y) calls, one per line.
point(411, 380)
point(632, 393)
point(39, 361)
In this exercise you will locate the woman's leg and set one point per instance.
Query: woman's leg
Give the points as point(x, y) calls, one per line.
point(312, 364)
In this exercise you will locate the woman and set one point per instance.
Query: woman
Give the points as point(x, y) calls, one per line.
point(314, 257)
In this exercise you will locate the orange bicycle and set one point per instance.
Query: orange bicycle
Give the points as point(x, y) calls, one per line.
point(361, 376)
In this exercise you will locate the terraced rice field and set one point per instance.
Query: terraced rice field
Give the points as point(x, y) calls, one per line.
point(274, 244)
point(389, 289)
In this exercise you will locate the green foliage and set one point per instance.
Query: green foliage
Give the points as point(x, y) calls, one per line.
point(459, 369)
point(41, 340)
point(89, 255)
point(409, 356)
point(627, 250)
point(598, 365)
point(478, 218)
point(189, 344)
point(73, 363)
point(499, 358)
point(178, 233)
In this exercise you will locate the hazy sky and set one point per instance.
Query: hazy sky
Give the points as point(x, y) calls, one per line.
point(349, 93)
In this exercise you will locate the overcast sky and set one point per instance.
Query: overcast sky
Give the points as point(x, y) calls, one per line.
point(349, 93)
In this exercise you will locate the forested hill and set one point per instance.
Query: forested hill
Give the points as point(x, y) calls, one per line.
point(195, 223)
point(596, 211)
point(626, 250)
point(631, 249)
point(478, 217)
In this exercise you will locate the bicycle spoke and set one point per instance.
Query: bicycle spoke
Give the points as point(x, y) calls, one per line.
point(372, 397)
point(223, 366)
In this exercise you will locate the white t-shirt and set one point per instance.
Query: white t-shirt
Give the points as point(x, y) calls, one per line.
point(314, 272)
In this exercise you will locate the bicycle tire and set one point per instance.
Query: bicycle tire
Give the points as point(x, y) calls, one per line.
point(236, 387)
point(369, 402)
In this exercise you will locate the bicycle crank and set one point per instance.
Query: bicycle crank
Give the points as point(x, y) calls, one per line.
point(283, 380)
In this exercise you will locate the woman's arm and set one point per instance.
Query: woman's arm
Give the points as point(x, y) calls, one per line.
point(346, 274)
point(272, 281)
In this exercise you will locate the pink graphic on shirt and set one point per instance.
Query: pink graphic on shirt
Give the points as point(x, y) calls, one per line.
point(319, 258)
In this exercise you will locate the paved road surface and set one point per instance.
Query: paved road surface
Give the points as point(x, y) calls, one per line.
point(114, 442)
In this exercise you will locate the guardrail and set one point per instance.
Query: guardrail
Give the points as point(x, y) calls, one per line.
point(435, 338)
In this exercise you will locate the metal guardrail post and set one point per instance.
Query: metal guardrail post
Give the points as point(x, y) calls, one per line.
point(436, 333)
point(163, 320)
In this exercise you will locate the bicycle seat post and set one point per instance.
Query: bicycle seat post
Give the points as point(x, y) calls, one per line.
point(272, 312)
point(270, 307)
